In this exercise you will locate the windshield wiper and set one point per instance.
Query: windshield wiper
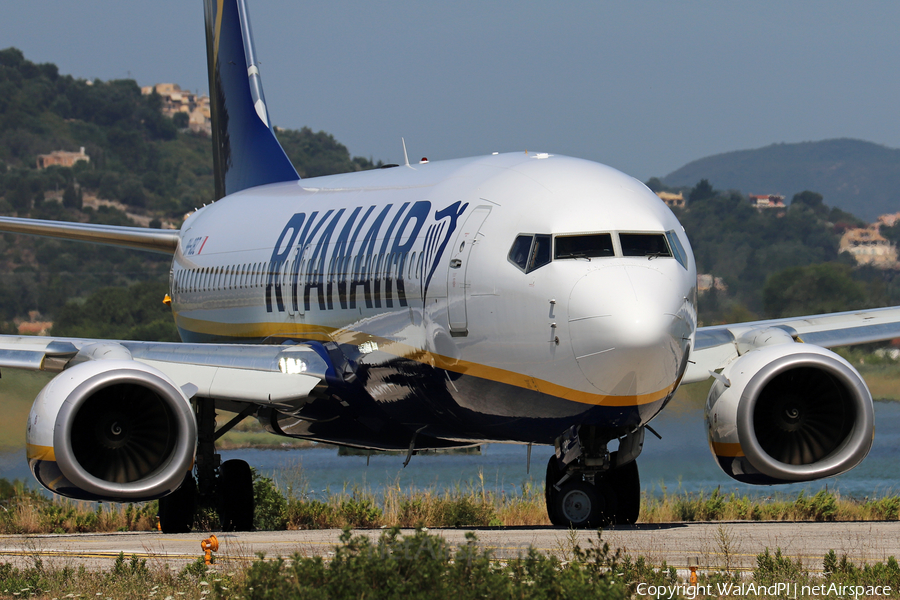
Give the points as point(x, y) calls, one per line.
point(574, 255)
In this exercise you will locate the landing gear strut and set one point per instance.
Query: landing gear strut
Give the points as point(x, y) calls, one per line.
point(587, 486)
point(228, 486)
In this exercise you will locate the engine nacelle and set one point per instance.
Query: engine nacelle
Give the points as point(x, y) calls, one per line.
point(111, 430)
point(789, 413)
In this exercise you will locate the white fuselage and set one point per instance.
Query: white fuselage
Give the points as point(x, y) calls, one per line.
point(411, 269)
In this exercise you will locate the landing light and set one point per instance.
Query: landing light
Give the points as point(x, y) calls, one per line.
point(368, 347)
point(291, 366)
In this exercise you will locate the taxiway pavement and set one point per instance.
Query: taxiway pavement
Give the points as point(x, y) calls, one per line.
point(717, 545)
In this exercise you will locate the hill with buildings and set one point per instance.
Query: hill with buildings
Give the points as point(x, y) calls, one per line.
point(106, 152)
point(859, 177)
point(112, 152)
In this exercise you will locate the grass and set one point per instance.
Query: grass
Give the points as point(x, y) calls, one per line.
point(23, 510)
point(129, 578)
point(715, 506)
point(17, 392)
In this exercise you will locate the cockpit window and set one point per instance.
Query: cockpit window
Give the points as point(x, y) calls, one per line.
point(584, 246)
point(530, 252)
point(677, 249)
point(521, 248)
point(540, 254)
point(644, 244)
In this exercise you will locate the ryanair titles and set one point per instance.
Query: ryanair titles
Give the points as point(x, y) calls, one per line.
point(349, 257)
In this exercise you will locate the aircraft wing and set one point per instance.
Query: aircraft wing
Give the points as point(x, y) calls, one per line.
point(164, 241)
point(270, 375)
point(717, 346)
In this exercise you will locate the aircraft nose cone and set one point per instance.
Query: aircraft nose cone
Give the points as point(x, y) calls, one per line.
point(625, 330)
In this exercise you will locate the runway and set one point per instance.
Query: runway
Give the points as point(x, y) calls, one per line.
point(717, 545)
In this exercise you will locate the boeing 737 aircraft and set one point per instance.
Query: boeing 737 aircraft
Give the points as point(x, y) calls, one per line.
point(525, 297)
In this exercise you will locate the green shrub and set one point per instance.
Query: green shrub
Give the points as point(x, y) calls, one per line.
point(360, 510)
point(269, 504)
point(309, 514)
point(425, 566)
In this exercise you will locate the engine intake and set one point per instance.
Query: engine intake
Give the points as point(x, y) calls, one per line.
point(116, 430)
point(789, 413)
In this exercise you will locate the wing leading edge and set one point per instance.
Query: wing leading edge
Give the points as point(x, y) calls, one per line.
point(258, 374)
point(164, 241)
point(717, 346)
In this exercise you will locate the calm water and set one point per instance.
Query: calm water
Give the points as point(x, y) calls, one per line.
point(681, 460)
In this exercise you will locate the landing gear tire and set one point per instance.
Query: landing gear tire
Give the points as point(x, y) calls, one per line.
point(551, 493)
point(626, 481)
point(176, 511)
point(580, 504)
point(235, 488)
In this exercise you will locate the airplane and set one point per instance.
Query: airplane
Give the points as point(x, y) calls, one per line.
point(521, 297)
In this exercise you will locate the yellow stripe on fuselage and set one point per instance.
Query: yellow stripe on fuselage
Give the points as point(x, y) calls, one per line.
point(349, 336)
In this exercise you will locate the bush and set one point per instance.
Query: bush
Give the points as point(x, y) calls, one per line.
point(425, 566)
point(269, 504)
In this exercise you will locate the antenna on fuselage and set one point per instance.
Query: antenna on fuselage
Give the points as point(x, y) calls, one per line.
point(405, 155)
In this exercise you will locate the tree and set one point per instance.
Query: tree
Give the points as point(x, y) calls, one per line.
point(127, 314)
point(72, 197)
point(21, 196)
point(811, 200)
point(181, 120)
point(702, 191)
point(813, 289)
point(655, 185)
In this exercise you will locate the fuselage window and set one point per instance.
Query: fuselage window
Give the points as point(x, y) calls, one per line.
point(644, 244)
point(584, 246)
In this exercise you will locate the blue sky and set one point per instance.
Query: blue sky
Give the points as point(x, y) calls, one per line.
point(643, 86)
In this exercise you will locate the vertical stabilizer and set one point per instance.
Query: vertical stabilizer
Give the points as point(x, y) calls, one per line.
point(245, 150)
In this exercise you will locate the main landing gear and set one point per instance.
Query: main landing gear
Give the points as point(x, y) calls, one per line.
point(225, 486)
point(588, 486)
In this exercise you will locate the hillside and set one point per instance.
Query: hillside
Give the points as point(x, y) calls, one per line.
point(142, 169)
point(859, 177)
point(145, 169)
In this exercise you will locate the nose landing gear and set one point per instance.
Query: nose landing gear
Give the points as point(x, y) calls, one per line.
point(589, 487)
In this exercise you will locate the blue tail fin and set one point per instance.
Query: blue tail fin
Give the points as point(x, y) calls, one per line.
point(245, 150)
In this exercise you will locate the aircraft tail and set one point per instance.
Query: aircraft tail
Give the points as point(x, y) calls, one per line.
point(245, 150)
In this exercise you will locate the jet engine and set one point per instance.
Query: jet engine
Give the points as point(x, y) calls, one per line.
point(111, 430)
point(789, 413)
